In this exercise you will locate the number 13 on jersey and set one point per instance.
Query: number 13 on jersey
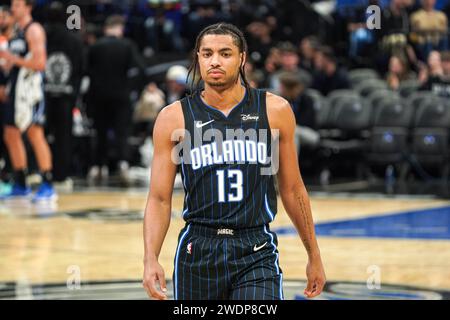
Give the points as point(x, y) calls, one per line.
point(235, 178)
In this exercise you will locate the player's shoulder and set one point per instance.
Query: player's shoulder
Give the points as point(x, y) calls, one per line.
point(171, 117)
point(35, 28)
point(35, 32)
point(171, 111)
point(277, 104)
point(279, 111)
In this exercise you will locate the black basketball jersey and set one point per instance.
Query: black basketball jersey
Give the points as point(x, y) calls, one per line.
point(18, 45)
point(226, 163)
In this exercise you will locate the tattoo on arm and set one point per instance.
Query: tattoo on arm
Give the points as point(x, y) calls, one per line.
point(307, 235)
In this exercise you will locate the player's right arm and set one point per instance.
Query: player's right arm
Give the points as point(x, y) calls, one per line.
point(159, 200)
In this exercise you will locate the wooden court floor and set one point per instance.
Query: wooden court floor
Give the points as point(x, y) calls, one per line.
point(100, 233)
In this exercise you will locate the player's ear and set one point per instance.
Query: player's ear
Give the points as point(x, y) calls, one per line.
point(243, 58)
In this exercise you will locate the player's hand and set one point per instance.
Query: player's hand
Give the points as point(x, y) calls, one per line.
point(153, 274)
point(316, 278)
point(7, 56)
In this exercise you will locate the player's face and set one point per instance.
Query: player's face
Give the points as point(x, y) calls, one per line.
point(219, 60)
point(5, 20)
point(19, 9)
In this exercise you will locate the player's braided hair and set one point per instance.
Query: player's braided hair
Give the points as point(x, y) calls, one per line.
point(220, 28)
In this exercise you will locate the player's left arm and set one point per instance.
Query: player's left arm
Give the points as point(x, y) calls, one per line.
point(36, 41)
point(293, 192)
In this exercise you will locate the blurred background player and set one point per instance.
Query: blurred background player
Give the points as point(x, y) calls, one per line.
point(62, 82)
point(24, 112)
point(6, 31)
point(109, 60)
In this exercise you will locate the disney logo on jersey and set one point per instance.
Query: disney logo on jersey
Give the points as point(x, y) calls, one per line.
point(250, 117)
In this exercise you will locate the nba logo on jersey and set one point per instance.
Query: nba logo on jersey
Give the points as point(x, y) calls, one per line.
point(189, 248)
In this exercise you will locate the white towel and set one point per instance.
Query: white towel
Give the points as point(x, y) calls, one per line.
point(28, 94)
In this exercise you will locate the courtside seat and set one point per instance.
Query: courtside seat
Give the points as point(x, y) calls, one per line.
point(408, 87)
point(376, 97)
point(430, 145)
point(356, 76)
point(390, 132)
point(367, 87)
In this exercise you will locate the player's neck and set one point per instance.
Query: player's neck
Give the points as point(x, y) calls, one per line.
point(24, 21)
point(223, 99)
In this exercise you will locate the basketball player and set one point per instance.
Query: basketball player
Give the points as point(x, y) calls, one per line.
point(6, 32)
point(24, 112)
point(226, 250)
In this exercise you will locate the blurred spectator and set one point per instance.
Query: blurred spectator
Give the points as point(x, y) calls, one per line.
point(290, 62)
point(271, 65)
point(435, 63)
point(293, 90)
point(259, 41)
point(318, 59)
point(253, 81)
point(176, 83)
point(254, 75)
point(399, 71)
point(411, 6)
point(163, 33)
point(150, 103)
point(308, 49)
point(245, 12)
point(439, 84)
point(428, 29)
point(393, 35)
point(109, 61)
point(432, 69)
point(446, 10)
point(272, 20)
point(361, 38)
point(202, 13)
point(329, 77)
point(62, 83)
point(91, 33)
point(299, 19)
